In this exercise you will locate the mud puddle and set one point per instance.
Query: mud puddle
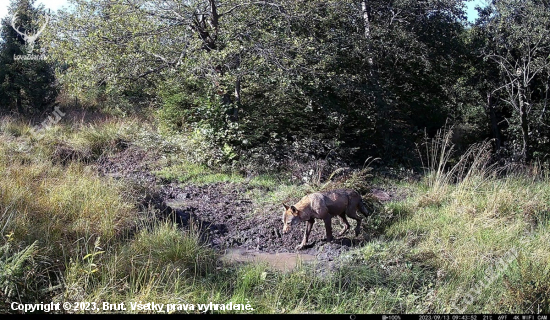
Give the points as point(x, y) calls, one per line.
point(228, 217)
point(282, 261)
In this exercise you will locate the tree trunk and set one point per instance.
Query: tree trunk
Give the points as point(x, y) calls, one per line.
point(366, 24)
point(19, 105)
point(214, 19)
point(526, 153)
point(237, 105)
point(524, 122)
point(494, 124)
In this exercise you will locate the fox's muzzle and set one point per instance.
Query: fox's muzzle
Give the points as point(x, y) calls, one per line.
point(288, 224)
point(286, 227)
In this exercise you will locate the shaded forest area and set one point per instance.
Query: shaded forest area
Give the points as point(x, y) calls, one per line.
point(147, 147)
point(265, 83)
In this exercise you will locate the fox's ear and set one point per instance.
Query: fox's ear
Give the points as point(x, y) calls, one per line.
point(294, 210)
point(286, 207)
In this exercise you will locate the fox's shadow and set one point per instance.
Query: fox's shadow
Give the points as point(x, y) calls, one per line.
point(184, 216)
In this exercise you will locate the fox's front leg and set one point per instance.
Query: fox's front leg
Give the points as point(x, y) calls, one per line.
point(309, 226)
point(328, 226)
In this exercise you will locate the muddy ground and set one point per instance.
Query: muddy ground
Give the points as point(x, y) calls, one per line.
point(227, 217)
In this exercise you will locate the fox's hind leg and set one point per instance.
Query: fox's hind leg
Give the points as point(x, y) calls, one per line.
point(345, 222)
point(352, 213)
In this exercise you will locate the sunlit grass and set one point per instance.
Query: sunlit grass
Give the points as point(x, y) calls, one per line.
point(57, 205)
point(424, 253)
point(187, 172)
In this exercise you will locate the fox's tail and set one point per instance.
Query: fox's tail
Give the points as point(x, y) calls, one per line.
point(363, 209)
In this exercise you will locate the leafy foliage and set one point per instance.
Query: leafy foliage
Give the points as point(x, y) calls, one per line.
point(26, 86)
point(265, 79)
point(268, 83)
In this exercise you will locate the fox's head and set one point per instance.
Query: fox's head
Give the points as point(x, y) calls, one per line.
point(291, 216)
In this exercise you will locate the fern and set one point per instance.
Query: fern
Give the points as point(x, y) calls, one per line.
point(12, 267)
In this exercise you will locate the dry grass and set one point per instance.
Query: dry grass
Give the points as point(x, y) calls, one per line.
point(426, 252)
point(59, 204)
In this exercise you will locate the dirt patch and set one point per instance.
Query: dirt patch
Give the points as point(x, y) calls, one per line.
point(389, 193)
point(228, 219)
point(64, 154)
point(133, 163)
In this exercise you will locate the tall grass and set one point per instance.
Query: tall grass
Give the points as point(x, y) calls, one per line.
point(442, 171)
point(477, 218)
point(57, 205)
point(160, 264)
point(424, 253)
point(438, 152)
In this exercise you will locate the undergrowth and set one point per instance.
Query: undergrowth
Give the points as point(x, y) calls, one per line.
point(69, 234)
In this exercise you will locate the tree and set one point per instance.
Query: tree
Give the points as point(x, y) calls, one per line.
point(518, 34)
point(26, 86)
point(352, 78)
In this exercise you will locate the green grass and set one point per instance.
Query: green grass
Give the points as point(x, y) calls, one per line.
point(70, 234)
point(57, 205)
point(191, 173)
point(283, 192)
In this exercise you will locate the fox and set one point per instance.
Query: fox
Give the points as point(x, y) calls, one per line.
point(325, 205)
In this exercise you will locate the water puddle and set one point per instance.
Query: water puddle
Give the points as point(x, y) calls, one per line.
point(178, 203)
point(283, 261)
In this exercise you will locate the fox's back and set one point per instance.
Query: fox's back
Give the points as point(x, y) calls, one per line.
point(336, 201)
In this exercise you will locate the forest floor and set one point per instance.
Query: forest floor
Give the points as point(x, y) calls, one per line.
point(111, 209)
point(229, 217)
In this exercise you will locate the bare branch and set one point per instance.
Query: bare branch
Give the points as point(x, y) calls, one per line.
point(278, 6)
